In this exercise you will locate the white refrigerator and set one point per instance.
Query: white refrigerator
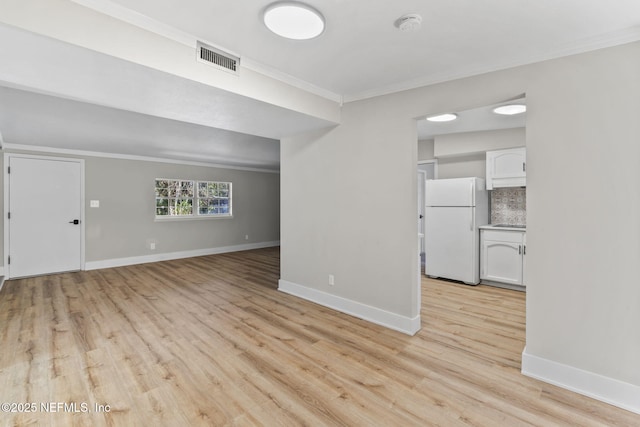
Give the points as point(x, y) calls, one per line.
point(454, 209)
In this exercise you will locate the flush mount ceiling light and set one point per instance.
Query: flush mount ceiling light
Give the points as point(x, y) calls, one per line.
point(510, 110)
point(443, 117)
point(294, 20)
point(410, 22)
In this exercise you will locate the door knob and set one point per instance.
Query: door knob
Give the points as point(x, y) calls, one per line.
point(75, 221)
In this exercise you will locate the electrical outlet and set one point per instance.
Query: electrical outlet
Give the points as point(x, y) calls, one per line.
point(152, 246)
point(246, 237)
point(94, 203)
point(331, 280)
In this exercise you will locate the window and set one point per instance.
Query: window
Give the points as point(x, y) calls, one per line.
point(214, 198)
point(185, 198)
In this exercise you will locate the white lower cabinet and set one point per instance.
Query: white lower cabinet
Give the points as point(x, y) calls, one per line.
point(502, 256)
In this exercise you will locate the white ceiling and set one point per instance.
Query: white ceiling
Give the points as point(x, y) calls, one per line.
point(150, 113)
point(27, 117)
point(72, 98)
point(362, 53)
point(473, 120)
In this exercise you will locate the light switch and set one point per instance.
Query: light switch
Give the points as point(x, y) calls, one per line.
point(94, 203)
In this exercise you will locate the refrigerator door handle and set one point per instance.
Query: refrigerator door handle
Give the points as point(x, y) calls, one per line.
point(473, 193)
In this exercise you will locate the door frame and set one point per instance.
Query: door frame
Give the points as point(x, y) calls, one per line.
point(435, 166)
point(433, 162)
point(7, 245)
point(421, 239)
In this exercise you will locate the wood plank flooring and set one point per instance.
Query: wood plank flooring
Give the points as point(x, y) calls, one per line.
point(209, 341)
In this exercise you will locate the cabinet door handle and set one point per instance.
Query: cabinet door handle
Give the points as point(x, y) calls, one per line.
point(519, 249)
point(524, 167)
point(524, 250)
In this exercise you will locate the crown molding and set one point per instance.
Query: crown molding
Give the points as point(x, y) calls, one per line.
point(289, 79)
point(86, 153)
point(139, 20)
point(628, 35)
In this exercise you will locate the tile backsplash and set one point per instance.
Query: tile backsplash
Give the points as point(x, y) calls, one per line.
point(509, 206)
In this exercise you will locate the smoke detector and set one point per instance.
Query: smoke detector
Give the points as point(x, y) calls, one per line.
point(408, 23)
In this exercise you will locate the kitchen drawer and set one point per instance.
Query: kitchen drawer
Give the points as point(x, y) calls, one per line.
point(503, 235)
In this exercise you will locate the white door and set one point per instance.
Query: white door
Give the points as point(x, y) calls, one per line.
point(45, 215)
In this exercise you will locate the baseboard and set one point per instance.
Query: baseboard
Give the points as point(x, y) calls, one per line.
point(503, 285)
point(596, 386)
point(375, 315)
point(120, 262)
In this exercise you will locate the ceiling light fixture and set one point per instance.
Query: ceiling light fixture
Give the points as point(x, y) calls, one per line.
point(447, 117)
point(510, 109)
point(293, 20)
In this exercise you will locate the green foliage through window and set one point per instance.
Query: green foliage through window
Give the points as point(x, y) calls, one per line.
point(175, 197)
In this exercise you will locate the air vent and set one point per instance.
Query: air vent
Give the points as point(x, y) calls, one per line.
point(218, 58)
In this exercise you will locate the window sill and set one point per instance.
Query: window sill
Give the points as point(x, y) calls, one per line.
point(190, 218)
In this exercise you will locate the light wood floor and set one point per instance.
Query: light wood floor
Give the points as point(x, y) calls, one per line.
point(210, 341)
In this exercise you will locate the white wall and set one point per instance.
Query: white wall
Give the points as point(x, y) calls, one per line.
point(583, 213)
point(119, 230)
point(462, 166)
point(345, 204)
point(468, 143)
point(425, 149)
point(125, 220)
point(349, 198)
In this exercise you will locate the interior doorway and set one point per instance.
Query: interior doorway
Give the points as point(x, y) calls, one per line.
point(460, 148)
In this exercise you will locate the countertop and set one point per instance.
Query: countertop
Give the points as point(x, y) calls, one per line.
point(503, 227)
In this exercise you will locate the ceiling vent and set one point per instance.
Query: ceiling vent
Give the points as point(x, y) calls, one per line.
point(218, 58)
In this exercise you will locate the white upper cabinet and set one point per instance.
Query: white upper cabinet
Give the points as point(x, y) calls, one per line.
point(507, 168)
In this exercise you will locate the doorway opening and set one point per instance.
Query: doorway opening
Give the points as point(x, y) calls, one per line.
point(458, 149)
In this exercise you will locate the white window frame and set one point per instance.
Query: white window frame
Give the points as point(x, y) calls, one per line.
point(195, 205)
